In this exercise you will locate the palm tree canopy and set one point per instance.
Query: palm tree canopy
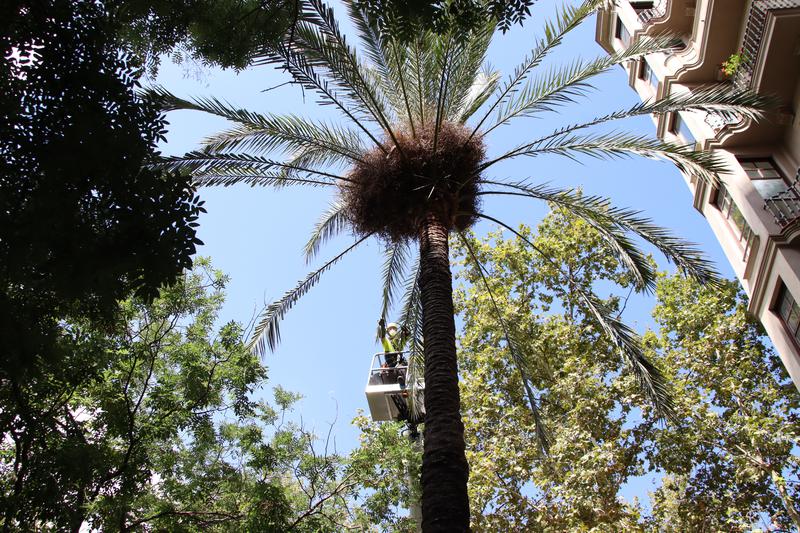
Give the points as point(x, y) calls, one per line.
point(417, 116)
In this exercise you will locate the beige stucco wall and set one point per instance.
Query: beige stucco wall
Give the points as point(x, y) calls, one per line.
point(716, 31)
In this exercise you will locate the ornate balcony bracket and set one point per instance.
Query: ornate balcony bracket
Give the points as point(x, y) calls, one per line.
point(785, 206)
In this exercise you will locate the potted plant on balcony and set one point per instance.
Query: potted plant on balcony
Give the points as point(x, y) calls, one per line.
point(730, 66)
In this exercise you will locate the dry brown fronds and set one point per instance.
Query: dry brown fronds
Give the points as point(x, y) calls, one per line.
point(390, 194)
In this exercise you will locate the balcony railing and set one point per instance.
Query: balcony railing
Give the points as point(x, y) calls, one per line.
point(659, 9)
point(754, 36)
point(785, 206)
point(717, 120)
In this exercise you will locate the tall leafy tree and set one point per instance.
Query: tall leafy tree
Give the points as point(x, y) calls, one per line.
point(732, 458)
point(224, 33)
point(153, 425)
point(82, 223)
point(728, 462)
point(410, 169)
point(588, 397)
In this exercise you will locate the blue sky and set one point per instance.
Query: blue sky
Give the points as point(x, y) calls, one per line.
point(256, 235)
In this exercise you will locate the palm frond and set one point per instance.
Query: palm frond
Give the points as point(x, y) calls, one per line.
point(411, 318)
point(389, 60)
point(604, 217)
point(482, 88)
point(567, 19)
point(704, 165)
point(394, 266)
point(649, 378)
point(562, 85)
point(723, 100)
point(467, 58)
point(303, 72)
point(266, 333)
point(324, 46)
point(418, 75)
point(202, 163)
point(332, 222)
point(443, 66)
point(226, 179)
point(516, 356)
point(267, 132)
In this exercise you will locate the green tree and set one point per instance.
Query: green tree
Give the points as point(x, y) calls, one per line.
point(153, 425)
point(732, 457)
point(587, 395)
point(82, 223)
point(389, 463)
point(414, 174)
point(729, 456)
point(225, 33)
point(405, 19)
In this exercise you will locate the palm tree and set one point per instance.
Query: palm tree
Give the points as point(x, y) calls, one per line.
point(410, 169)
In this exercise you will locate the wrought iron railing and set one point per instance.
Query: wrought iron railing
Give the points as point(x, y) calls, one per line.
point(659, 9)
point(785, 206)
point(717, 120)
point(754, 36)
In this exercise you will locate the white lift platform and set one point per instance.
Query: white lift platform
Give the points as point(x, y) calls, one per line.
point(388, 390)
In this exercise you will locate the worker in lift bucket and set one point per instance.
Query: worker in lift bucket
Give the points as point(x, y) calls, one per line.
point(393, 338)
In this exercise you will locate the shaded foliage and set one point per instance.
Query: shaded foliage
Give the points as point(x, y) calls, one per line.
point(82, 223)
point(404, 19)
point(225, 33)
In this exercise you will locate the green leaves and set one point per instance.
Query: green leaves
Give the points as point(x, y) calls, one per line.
point(393, 269)
point(331, 223)
point(627, 342)
point(563, 85)
point(566, 20)
point(728, 453)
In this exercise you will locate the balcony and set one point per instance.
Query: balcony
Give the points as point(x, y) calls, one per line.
point(785, 206)
point(650, 10)
point(754, 36)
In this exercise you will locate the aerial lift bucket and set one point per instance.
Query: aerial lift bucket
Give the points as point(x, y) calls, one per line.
point(389, 392)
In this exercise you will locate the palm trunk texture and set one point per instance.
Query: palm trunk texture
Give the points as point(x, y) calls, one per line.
point(445, 506)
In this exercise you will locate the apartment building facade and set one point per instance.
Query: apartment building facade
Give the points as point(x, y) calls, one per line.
point(755, 210)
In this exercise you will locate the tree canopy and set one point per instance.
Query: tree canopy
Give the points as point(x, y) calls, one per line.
point(224, 33)
point(83, 222)
point(727, 462)
point(155, 425)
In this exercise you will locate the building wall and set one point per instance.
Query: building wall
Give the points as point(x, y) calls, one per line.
point(766, 255)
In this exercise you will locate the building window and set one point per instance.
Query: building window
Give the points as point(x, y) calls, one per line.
point(765, 176)
point(787, 308)
point(741, 228)
point(622, 33)
point(646, 73)
point(680, 129)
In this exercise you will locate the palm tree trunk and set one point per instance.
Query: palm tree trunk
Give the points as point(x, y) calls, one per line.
point(445, 506)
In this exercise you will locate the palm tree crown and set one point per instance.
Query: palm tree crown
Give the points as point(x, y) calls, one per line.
point(409, 168)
